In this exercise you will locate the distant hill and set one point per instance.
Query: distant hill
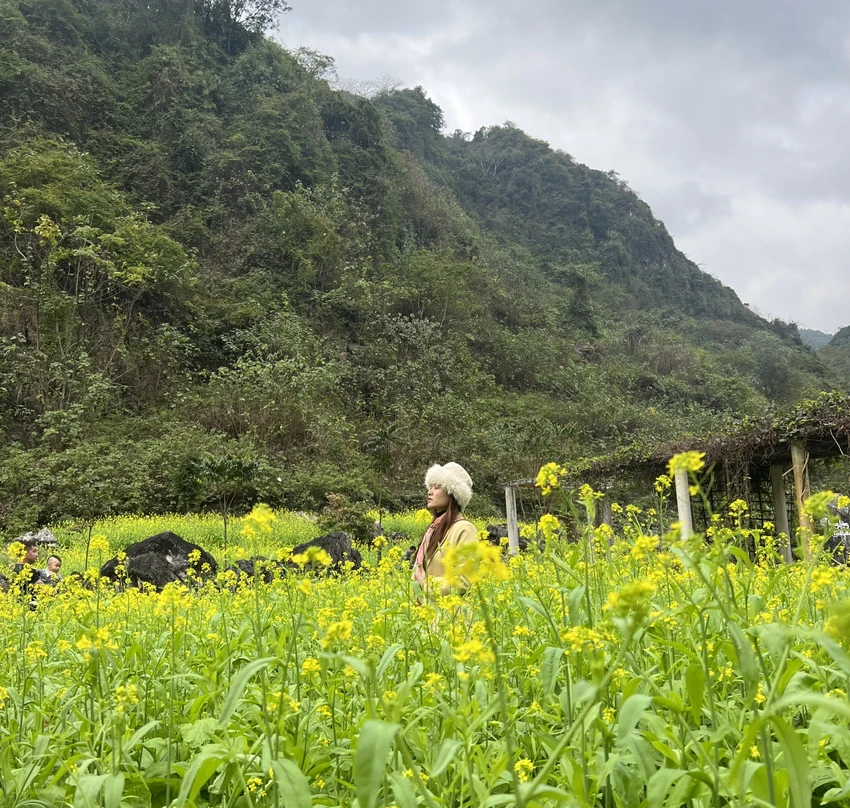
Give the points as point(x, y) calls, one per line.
point(841, 338)
point(223, 280)
point(835, 355)
point(813, 338)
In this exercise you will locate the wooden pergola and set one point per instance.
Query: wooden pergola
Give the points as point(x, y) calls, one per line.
point(769, 450)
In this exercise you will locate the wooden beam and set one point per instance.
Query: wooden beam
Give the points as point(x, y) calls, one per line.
point(513, 525)
point(683, 503)
point(780, 510)
point(800, 465)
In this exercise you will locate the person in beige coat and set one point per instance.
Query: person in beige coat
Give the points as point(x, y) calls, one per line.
point(449, 491)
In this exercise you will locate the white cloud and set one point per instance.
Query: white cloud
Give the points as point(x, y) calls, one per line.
point(729, 119)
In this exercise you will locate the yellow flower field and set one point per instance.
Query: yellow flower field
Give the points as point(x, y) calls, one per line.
point(618, 669)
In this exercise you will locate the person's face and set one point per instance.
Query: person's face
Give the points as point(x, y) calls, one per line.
point(31, 555)
point(54, 565)
point(438, 499)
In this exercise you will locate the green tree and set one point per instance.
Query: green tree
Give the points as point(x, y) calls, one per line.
point(223, 481)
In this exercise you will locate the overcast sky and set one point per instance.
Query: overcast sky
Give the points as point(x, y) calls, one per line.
point(731, 119)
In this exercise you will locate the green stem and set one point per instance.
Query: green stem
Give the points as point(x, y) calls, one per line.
point(555, 755)
point(503, 698)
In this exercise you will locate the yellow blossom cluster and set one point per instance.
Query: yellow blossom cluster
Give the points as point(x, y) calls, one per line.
point(474, 651)
point(313, 556)
point(643, 546)
point(691, 462)
point(549, 478)
point(125, 696)
point(577, 639)
point(474, 561)
point(339, 631)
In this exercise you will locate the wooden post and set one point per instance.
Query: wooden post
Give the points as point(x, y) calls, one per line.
point(800, 464)
point(606, 515)
point(513, 525)
point(683, 503)
point(780, 510)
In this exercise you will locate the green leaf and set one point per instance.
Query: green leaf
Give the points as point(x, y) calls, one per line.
point(746, 658)
point(294, 786)
point(529, 603)
point(37, 803)
point(239, 683)
point(403, 791)
point(139, 734)
point(695, 686)
point(738, 769)
point(88, 786)
point(556, 795)
point(549, 668)
point(445, 756)
point(684, 791)
point(796, 764)
point(813, 700)
point(497, 800)
point(361, 666)
point(203, 767)
point(113, 790)
point(833, 649)
point(672, 701)
point(773, 636)
point(836, 794)
point(576, 604)
point(627, 785)
point(630, 714)
point(583, 691)
point(200, 732)
point(370, 759)
point(387, 660)
point(137, 789)
point(659, 784)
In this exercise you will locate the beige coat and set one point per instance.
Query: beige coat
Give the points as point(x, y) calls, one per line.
point(461, 532)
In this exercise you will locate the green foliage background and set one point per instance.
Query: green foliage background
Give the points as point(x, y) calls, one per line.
point(206, 251)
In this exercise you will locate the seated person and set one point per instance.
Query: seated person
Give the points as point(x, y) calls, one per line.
point(25, 572)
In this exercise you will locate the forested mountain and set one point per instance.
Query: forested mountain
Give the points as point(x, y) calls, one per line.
point(841, 339)
point(814, 338)
point(836, 356)
point(220, 276)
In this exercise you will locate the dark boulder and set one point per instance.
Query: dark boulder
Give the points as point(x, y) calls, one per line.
point(838, 544)
point(842, 513)
point(495, 534)
point(266, 569)
point(4, 583)
point(148, 568)
point(338, 546)
point(160, 560)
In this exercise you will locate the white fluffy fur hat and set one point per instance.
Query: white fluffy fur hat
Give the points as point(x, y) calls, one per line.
point(453, 479)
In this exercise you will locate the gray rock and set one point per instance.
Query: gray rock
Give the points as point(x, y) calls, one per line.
point(44, 537)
